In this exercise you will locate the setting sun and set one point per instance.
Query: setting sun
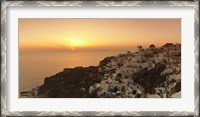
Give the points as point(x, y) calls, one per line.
point(74, 43)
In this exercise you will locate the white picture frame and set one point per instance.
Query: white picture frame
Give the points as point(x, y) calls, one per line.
point(12, 10)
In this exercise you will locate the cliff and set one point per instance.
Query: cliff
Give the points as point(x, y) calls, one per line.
point(70, 83)
point(149, 73)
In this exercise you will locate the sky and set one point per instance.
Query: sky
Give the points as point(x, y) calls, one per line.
point(96, 34)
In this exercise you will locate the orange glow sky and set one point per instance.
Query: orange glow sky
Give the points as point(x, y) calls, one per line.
point(96, 34)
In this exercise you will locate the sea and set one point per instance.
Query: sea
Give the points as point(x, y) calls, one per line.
point(34, 67)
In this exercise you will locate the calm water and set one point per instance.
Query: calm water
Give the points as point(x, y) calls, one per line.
point(33, 68)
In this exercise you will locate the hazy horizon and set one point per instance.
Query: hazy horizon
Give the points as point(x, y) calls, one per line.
point(95, 34)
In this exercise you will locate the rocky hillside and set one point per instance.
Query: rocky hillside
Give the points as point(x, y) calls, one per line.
point(149, 73)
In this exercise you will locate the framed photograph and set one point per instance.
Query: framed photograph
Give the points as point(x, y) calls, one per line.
point(100, 58)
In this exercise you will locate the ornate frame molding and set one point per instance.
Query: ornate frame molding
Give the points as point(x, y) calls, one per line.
point(6, 4)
